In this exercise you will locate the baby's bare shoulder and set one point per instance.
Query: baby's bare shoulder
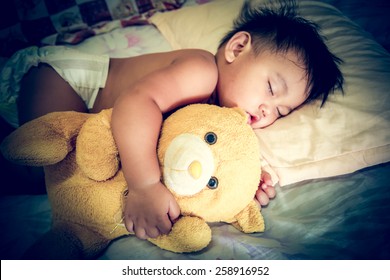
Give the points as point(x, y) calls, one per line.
point(198, 53)
point(191, 76)
point(203, 57)
point(188, 74)
point(198, 62)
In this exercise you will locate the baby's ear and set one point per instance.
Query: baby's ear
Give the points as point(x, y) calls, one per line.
point(238, 43)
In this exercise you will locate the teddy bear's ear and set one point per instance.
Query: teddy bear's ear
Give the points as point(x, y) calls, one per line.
point(45, 140)
point(97, 154)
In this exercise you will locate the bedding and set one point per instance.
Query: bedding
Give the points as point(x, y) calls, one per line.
point(346, 217)
point(71, 21)
point(339, 210)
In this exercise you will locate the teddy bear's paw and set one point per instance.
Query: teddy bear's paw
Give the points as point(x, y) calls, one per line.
point(188, 234)
point(250, 219)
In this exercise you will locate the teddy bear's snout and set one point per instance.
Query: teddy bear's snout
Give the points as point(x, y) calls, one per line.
point(188, 165)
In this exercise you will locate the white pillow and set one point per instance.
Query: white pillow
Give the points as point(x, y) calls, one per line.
point(350, 133)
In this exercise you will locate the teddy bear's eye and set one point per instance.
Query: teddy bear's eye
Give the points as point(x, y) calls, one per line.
point(210, 138)
point(213, 183)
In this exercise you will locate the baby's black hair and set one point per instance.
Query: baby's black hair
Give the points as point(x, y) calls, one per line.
point(278, 28)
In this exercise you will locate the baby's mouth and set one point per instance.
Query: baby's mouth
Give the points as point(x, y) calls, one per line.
point(251, 118)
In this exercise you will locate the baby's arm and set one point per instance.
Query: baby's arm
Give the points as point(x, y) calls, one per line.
point(136, 122)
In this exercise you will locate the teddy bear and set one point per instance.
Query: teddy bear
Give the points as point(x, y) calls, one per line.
point(209, 158)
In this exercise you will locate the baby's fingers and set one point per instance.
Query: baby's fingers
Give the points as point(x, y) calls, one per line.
point(262, 197)
point(174, 211)
point(269, 190)
point(152, 232)
point(129, 225)
point(140, 233)
point(165, 225)
point(266, 178)
point(162, 226)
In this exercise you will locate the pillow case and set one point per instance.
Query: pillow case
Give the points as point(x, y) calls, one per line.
point(349, 133)
point(374, 18)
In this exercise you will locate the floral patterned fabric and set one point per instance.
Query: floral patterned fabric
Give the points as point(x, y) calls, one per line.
point(40, 22)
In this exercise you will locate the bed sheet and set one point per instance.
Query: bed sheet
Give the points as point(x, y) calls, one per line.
point(126, 42)
point(130, 41)
point(345, 217)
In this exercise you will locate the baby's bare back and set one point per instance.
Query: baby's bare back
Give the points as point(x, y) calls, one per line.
point(125, 72)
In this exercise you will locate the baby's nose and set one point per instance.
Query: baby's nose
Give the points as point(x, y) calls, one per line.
point(264, 110)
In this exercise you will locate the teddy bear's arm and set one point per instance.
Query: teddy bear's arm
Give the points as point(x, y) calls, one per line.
point(45, 140)
point(250, 219)
point(188, 234)
point(97, 154)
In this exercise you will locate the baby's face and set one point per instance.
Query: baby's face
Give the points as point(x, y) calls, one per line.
point(267, 87)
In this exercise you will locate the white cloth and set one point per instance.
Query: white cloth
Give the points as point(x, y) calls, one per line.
point(85, 73)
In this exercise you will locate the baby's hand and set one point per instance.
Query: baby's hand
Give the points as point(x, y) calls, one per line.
point(150, 211)
point(266, 191)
